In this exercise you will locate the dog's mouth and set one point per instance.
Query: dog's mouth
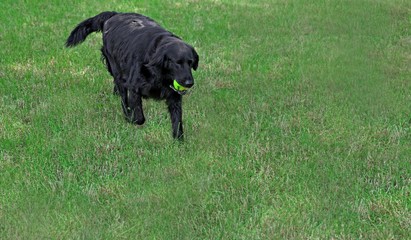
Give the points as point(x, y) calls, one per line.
point(182, 90)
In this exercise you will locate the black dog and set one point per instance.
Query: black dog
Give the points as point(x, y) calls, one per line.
point(144, 60)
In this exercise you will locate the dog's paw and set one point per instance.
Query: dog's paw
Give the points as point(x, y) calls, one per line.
point(178, 136)
point(137, 121)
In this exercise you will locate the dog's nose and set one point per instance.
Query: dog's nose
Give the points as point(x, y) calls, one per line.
point(188, 83)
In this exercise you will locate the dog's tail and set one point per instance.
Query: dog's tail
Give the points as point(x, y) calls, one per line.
point(94, 24)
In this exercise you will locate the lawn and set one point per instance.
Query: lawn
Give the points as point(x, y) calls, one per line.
point(298, 127)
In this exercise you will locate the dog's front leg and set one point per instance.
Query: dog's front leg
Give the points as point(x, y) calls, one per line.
point(137, 115)
point(174, 107)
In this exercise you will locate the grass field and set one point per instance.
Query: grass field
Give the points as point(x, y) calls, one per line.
point(299, 126)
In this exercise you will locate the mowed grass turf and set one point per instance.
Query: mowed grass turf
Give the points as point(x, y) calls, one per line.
point(298, 127)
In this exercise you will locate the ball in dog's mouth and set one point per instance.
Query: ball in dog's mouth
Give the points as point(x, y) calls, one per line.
point(179, 88)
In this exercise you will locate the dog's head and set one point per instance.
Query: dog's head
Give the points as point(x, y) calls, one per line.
point(176, 59)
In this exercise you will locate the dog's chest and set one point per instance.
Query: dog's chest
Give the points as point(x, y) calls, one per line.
point(154, 92)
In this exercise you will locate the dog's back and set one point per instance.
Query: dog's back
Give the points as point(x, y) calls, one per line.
point(132, 33)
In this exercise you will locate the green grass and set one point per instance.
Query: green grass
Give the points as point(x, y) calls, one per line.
point(299, 125)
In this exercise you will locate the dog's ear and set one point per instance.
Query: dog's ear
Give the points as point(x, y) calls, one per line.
point(196, 59)
point(158, 59)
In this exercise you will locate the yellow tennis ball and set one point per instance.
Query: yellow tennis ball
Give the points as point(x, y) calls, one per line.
point(178, 87)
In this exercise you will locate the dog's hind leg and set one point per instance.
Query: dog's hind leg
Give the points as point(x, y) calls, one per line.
point(124, 100)
point(112, 69)
point(134, 97)
point(136, 105)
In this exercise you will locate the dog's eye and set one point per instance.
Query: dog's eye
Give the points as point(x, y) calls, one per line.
point(180, 62)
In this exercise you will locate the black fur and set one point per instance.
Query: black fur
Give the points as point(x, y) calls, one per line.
point(143, 59)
